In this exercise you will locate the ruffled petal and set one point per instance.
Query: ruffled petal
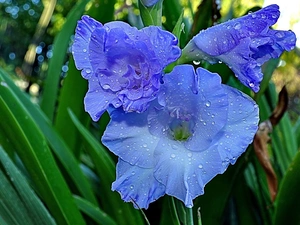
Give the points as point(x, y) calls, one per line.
point(165, 44)
point(97, 99)
point(80, 47)
point(127, 62)
point(128, 137)
point(240, 128)
point(245, 44)
point(185, 173)
point(137, 185)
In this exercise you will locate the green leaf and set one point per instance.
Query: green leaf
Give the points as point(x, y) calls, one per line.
point(169, 213)
point(124, 213)
point(172, 10)
point(288, 198)
point(28, 203)
point(60, 45)
point(296, 130)
point(217, 193)
point(151, 15)
point(32, 148)
point(57, 144)
point(179, 27)
point(72, 98)
point(94, 212)
point(12, 209)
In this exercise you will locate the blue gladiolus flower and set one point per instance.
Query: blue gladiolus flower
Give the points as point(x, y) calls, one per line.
point(244, 44)
point(123, 65)
point(192, 132)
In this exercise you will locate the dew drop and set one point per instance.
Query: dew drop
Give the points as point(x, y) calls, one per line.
point(84, 50)
point(251, 84)
point(131, 187)
point(173, 156)
point(237, 26)
point(196, 62)
point(207, 104)
point(253, 15)
point(88, 71)
point(200, 166)
point(4, 84)
point(106, 86)
point(190, 154)
point(279, 34)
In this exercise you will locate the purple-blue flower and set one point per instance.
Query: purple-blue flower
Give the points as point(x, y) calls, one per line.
point(149, 3)
point(123, 65)
point(244, 44)
point(195, 129)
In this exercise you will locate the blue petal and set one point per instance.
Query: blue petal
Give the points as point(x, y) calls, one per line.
point(202, 101)
point(97, 99)
point(128, 137)
point(165, 44)
point(185, 173)
point(137, 185)
point(244, 44)
point(240, 128)
point(80, 47)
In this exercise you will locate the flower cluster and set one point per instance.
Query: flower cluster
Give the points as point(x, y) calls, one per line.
point(174, 132)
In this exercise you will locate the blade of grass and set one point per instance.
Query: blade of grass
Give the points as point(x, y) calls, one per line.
point(32, 148)
point(34, 208)
point(94, 212)
point(57, 144)
point(288, 198)
point(60, 45)
point(12, 208)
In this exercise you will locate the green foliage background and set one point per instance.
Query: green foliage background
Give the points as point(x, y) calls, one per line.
point(53, 167)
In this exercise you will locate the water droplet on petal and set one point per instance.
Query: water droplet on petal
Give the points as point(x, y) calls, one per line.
point(279, 34)
point(88, 71)
point(207, 104)
point(237, 26)
point(251, 84)
point(200, 166)
point(190, 154)
point(84, 50)
point(173, 156)
point(106, 86)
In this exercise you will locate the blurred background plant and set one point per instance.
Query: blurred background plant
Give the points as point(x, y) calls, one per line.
point(54, 169)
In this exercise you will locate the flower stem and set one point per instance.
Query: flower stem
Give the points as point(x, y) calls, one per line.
point(189, 217)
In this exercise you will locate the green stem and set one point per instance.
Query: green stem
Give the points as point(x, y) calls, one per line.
point(189, 217)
